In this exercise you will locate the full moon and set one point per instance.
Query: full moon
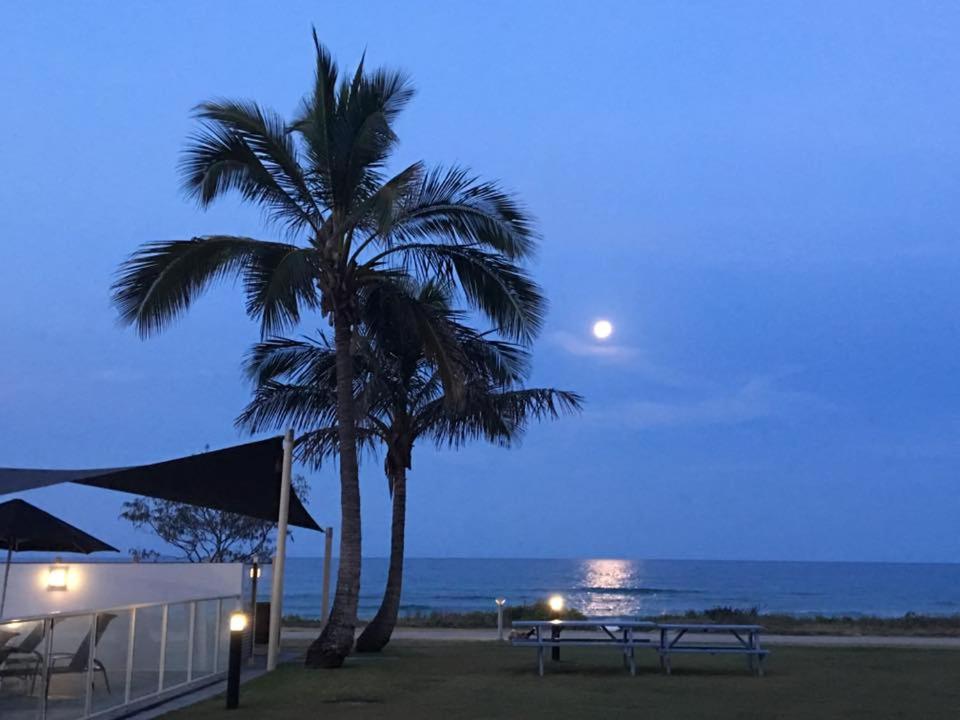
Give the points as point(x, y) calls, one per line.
point(602, 329)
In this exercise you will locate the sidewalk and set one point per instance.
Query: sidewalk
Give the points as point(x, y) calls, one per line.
point(248, 672)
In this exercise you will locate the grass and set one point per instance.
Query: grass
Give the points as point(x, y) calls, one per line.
point(911, 624)
point(488, 680)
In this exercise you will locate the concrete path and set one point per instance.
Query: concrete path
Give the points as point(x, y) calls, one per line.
point(482, 634)
point(248, 672)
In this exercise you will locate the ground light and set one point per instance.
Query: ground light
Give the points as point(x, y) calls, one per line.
point(238, 623)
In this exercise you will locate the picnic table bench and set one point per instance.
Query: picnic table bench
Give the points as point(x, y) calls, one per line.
point(622, 634)
point(619, 633)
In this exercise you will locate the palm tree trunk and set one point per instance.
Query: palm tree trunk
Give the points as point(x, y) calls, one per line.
point(377, 634)
point(335, 642)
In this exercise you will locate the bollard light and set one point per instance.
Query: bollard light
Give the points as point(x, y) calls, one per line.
point(500, 601)
point(238, 623)
point(555, 603)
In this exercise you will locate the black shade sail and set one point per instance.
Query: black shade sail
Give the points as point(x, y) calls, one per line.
point(244, 479)
point(25, 527)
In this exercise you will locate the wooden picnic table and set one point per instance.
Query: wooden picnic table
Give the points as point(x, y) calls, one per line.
point(622, 633)
point(616, 632)
point(746, 641)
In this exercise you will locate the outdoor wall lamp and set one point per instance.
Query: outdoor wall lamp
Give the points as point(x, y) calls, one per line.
point(57, 576)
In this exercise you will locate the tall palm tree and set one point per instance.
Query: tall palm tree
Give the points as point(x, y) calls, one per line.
point(346, 227)
point(404, 399)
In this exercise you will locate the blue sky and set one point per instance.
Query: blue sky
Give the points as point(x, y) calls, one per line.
point(762, 197)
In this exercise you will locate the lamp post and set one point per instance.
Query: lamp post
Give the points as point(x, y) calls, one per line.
point(500, 601)
point(238, 623)
point(555, 603)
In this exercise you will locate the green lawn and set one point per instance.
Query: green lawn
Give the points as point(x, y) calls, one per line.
point(486, 680)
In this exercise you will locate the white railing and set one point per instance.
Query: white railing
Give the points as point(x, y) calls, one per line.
point(110, 662)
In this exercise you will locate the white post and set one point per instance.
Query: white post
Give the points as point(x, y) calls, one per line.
point(6, 578)
point(500, 603)
point(327, 552)
point(276, 598)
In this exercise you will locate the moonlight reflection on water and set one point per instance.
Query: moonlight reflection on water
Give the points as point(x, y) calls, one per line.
point(610, 587)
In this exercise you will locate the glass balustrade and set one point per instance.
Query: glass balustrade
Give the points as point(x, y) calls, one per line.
point(73, 666)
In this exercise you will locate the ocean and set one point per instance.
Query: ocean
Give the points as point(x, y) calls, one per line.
point(643, 587)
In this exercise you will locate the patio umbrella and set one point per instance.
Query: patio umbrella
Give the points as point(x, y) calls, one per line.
point(25, 527)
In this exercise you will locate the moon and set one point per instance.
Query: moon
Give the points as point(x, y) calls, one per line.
point(602, 329)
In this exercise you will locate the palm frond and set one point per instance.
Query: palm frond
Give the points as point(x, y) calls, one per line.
point(276, 404)
point(505, 363)
point(451, 205)
point(240, 146)
point(490, 283)
point(315, 447)
point(281, 282)
point(305, 361)
point(497, 416)
point(160, 280)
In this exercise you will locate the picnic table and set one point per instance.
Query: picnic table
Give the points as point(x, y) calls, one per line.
point(746, 641)
point(622, 634)
point(616, 632)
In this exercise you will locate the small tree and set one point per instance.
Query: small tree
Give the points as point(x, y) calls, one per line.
point(202, 534)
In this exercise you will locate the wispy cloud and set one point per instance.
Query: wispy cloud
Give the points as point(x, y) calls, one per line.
point(578, 346)
point(638, 360)
point(761, 398)
point(686, 399)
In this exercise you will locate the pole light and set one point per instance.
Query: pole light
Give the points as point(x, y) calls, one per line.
point(500, 601)
point(238, 623)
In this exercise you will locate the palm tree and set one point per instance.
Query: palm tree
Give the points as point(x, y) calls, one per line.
point(404, 399)
point(346, 227)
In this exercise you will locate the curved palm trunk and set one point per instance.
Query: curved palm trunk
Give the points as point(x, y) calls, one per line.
point(335, 642)
point(377, 634)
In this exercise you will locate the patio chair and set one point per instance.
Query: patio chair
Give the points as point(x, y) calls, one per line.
point(73, 663)
point(22, 660)
point(6, 636)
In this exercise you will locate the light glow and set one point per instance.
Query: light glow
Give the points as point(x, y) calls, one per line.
point(238, 622)
point(602, 329)
point(501, 601)
point(57, 577)
point(556, 603)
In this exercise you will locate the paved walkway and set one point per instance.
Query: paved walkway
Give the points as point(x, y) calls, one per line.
point(248, 672)
point(483, 634)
